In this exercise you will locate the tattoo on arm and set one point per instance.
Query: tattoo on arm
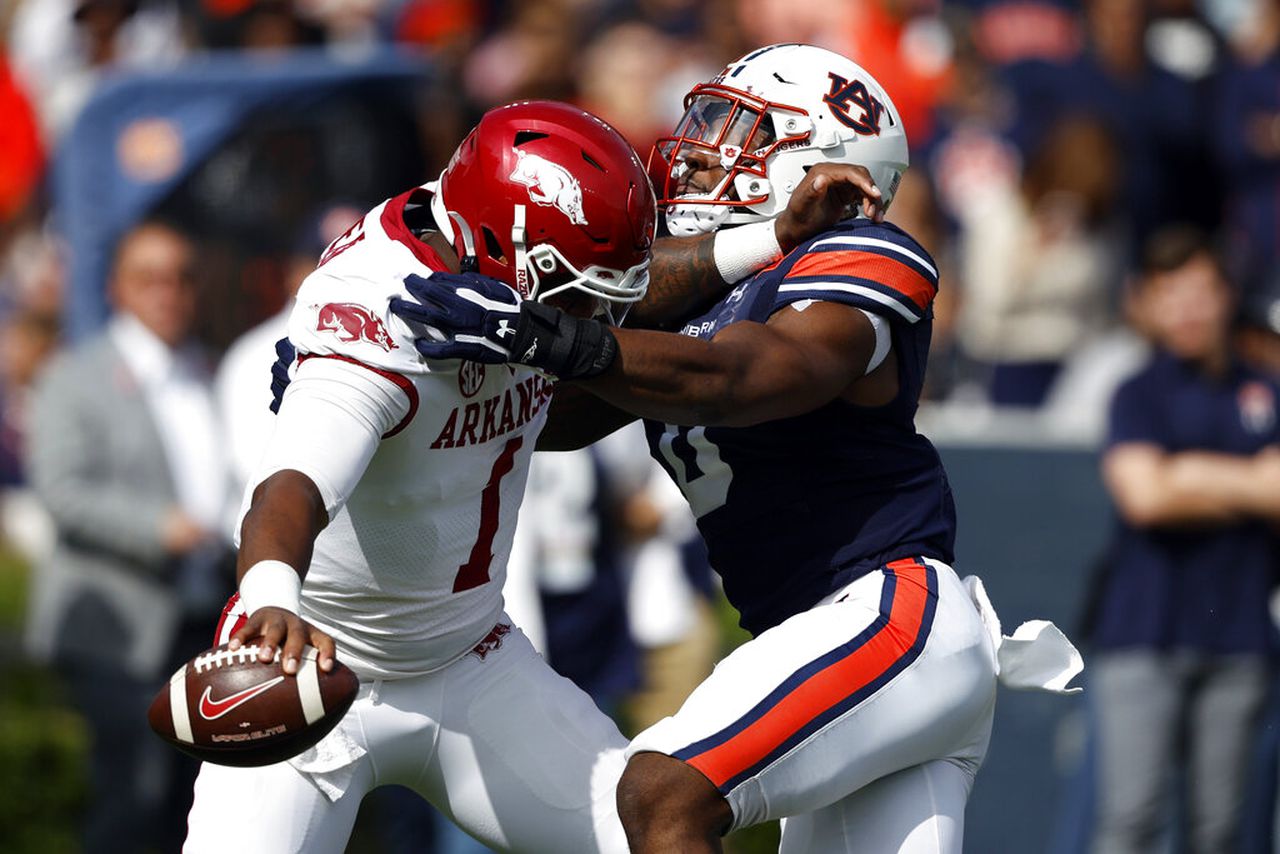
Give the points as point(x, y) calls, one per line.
point(682, 277)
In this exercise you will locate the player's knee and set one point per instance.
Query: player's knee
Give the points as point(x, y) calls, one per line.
point(659, 791)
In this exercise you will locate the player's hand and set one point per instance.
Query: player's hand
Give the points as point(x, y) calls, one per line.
point(467, 316)
point(824, 198)
point(280, 379)
point(277, 628)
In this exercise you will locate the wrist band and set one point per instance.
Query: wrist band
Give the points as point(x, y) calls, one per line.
point(568, 347)
point(271, 583)
point(743, 250)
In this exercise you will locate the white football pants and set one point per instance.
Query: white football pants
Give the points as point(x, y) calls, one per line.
point(860, 722)
point(517, 755)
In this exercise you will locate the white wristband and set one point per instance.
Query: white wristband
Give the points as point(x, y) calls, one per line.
point(271, 583)
point(743, 250)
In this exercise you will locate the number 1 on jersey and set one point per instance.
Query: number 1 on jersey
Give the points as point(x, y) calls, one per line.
point(475, 571)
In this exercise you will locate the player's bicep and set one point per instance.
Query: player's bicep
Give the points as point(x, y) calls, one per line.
point(746, 374)
point(791, 365)
point(815, 354)
point(331, 421)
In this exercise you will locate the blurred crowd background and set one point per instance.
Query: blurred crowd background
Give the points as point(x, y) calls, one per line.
point(1050, 141)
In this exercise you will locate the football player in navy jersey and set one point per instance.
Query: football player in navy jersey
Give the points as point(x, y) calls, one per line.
point(861, 709)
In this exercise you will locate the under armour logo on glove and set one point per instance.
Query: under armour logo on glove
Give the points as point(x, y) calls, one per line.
point(473, 317)
point(466, 316)
point(280, 378)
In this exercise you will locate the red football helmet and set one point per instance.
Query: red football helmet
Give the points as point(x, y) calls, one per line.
point(548, 198)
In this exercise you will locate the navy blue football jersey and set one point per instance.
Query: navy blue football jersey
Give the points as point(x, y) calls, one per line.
point(795, 508)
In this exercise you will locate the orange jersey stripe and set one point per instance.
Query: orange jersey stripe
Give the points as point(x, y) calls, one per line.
point(868, 265)
point(828, 686)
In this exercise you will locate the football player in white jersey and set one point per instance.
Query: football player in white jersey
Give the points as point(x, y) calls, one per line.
point(379, 522)
point(861, 709)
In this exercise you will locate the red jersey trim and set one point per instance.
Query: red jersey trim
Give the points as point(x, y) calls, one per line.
point(405, 384)
point(233, 617)
point(392, 220)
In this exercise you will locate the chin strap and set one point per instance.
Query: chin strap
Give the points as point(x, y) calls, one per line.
point(521, 259)
point(442, 215)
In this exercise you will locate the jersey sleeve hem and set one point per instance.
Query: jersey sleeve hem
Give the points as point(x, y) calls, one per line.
point(865, 295)
point(400, 380)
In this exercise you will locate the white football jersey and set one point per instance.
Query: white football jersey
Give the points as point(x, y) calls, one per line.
point(408, 575)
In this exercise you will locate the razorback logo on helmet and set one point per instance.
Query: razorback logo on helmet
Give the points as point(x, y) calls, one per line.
point(352, 323)
point(845, 96)
point(550, 185)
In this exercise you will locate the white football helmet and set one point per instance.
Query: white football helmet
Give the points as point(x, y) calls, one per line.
point(765, 119)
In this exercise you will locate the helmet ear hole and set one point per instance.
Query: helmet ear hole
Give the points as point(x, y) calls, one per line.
point(524, 136)
point(492, 246)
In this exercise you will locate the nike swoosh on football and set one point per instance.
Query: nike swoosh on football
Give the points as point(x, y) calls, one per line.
point(211, 709)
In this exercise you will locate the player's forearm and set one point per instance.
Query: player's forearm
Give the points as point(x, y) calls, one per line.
point(286, 516)
point(735, 380)
point(747, 373)
point(688, 273)
point(680, 382)
point(683, 277)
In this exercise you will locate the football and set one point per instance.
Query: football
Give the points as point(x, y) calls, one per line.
point(231, 709)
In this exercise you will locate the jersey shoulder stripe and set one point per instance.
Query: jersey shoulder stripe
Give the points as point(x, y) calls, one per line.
point(883, 267)
point(860, 293)
point(887, 243)
point(874, 266)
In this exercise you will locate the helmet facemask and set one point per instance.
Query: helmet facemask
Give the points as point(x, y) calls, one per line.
point(758, 128)
point(542, 271)
point(736, 131)
point(613, 291)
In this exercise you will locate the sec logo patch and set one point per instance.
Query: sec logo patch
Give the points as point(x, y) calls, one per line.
point(470, 378)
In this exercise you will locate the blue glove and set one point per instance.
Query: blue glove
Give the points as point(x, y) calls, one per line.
point(280, 372)
point(468, 316)
point(480, 319)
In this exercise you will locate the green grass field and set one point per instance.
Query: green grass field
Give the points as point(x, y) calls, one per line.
point(42, 742)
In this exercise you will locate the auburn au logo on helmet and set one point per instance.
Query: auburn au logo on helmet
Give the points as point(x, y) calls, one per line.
point(846, 95)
